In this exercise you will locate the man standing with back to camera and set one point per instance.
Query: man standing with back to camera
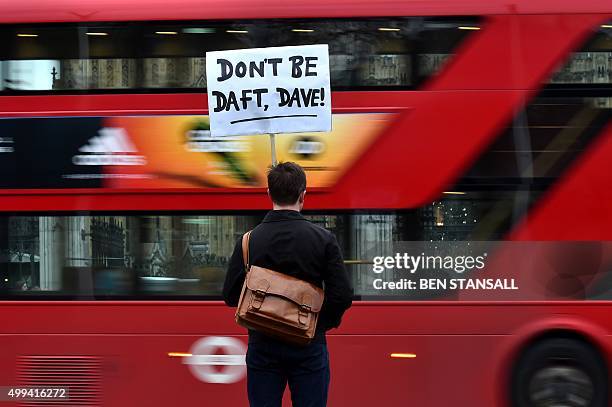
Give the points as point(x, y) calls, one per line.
point(288, 243)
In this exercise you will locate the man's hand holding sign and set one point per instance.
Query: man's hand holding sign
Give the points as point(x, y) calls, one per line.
point(269, 90)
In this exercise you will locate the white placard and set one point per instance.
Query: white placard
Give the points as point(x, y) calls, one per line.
point(269, 90)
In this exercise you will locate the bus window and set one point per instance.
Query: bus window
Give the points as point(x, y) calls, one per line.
point(364, 53)
point(484, 205)
point(592, 64)
point(117, 256)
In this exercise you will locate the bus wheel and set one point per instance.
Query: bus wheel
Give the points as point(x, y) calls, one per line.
point(560, 372)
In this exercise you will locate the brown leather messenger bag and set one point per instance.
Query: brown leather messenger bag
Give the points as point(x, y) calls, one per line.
point(276, 304)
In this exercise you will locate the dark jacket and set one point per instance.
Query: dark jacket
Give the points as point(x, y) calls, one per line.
point(287, 242)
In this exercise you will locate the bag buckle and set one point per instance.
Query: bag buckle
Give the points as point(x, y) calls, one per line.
point(257, 299)
point(303, 312)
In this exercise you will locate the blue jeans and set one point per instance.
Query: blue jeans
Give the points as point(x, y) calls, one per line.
point(272, 364)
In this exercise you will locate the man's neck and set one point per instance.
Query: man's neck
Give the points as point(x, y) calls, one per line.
point(276, 207)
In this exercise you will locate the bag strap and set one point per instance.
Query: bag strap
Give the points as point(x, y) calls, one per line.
point(245, 249)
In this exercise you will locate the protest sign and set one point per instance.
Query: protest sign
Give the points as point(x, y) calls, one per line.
point(269, 90)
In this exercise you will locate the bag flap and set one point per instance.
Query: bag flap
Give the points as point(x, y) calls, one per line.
point(298, 291)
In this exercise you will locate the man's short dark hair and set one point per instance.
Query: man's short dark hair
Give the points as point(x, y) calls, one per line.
point(286, 181)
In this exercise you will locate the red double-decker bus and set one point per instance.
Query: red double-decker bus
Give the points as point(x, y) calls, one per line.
point(466, 178)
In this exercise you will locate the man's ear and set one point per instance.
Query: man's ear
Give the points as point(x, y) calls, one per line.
point(268, 191)
point(302, 196)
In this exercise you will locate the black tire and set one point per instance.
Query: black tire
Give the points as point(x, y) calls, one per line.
point(560, 372)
